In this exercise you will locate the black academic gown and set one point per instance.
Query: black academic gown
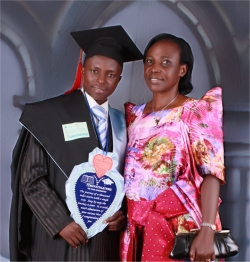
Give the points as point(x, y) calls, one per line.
point(43, 161)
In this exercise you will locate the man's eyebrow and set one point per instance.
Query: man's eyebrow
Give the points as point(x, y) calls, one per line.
point(108, 70)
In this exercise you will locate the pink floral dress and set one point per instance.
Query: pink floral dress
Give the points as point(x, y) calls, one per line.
point(173, 149)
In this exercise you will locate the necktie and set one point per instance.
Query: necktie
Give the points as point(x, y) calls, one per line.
point(100, 116)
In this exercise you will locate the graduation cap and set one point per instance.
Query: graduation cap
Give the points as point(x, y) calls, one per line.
point(112, 42)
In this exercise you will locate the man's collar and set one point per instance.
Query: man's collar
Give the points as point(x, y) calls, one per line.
point(92, 102)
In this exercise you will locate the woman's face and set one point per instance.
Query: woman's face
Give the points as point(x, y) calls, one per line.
point(162, 68)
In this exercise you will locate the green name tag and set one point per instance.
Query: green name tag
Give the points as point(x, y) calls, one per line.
point(75, 131)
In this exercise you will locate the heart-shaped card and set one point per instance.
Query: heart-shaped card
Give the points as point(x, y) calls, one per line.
point(94, 192)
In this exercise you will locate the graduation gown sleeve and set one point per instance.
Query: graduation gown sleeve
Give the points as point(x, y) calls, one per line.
point(19, 233)
point(41, 198)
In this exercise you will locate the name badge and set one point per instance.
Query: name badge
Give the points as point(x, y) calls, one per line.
point(75, 131)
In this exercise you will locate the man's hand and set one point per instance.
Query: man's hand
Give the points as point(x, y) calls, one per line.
point(74, 235)
point(116, 222)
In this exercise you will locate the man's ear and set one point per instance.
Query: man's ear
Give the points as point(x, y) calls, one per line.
point(183, 70)
point(120, 79)
point(82, 77)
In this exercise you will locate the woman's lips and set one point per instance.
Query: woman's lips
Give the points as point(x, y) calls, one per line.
point(155, 79)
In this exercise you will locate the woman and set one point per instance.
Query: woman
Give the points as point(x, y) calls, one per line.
point(174, 158)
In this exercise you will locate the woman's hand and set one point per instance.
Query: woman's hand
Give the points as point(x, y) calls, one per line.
point(202, 248)
point(116, 222)
point(74, 235)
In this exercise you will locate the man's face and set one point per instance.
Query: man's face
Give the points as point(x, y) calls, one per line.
point(101, 77)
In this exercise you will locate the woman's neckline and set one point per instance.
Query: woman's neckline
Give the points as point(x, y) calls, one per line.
point(167, 109)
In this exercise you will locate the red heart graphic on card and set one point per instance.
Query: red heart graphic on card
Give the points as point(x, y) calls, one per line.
point(102, 164)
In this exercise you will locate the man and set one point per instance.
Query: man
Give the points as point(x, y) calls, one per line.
point(41, 227)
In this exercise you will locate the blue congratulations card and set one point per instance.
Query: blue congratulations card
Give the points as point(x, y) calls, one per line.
point(94, 191)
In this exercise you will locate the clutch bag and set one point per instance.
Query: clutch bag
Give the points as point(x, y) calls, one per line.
point(224, 245)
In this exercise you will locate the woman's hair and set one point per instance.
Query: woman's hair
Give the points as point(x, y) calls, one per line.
point(186, 57)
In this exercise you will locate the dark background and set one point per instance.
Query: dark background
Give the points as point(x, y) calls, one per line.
point(39, 59)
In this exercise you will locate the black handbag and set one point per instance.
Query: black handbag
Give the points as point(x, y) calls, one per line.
point(224, 245)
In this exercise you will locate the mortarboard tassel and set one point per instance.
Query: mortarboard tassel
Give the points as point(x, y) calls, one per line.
point(78, 78)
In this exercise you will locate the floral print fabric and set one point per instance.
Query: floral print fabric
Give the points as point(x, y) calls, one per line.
point(175, 148)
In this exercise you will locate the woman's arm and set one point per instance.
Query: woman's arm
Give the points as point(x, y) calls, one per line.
point(202, 248)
